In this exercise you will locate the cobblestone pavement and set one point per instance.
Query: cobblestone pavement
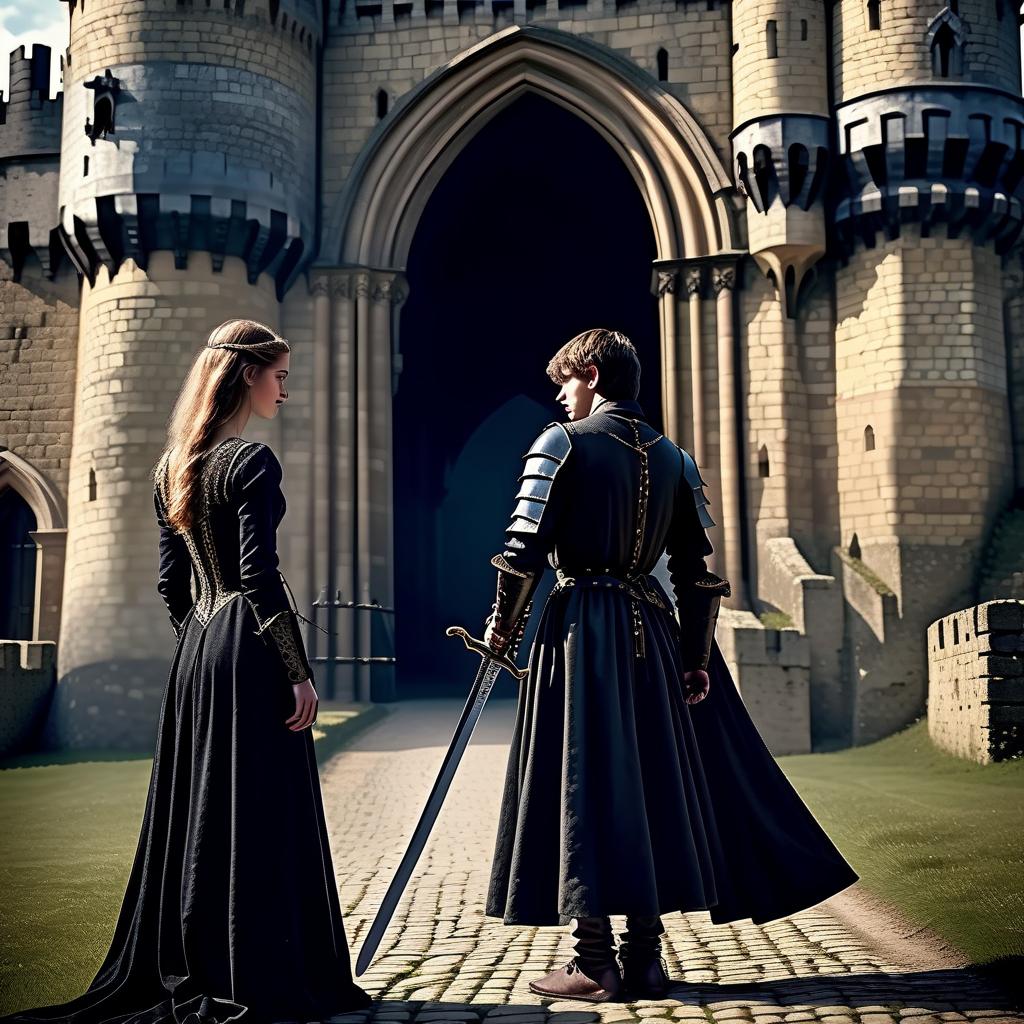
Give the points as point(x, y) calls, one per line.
point(442, 960)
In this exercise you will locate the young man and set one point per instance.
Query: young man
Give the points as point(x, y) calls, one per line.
point(636, 783)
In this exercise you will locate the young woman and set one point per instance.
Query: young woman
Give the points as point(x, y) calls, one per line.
point(231, 912)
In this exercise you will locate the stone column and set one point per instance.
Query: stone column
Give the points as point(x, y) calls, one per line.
point(692, 278)
point(723, 280)
point(672, 370)
point(320, 565)
point(363, 453)
point(341, 489)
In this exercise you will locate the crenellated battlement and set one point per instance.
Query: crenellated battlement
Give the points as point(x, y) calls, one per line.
point(294, 24)
point(30, 149)
point(950, 153)
point(30, 122)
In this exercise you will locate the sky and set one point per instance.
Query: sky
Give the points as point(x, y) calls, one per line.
point(45, 21)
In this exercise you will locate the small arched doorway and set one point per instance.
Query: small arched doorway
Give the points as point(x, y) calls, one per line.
point(536, 232)
point(17, 566)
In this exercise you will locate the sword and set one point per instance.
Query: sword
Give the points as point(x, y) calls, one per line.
point(490, 665)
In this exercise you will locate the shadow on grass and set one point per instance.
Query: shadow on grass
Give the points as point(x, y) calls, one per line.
point(332, 730)
point(48, 757)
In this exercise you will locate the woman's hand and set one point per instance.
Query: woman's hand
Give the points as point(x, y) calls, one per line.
point(305, 706)
point(696, 685)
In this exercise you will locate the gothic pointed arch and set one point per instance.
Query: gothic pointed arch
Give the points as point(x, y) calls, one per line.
point(680, 176)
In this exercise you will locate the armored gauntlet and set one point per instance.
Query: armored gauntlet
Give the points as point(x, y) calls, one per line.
point(511, 607)
point(698, 615)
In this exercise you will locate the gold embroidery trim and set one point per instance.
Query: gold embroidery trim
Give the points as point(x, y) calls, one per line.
point(214, 476)
point(282, 629)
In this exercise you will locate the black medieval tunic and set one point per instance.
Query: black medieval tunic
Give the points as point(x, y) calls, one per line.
point(231, 911)
point(619, 797)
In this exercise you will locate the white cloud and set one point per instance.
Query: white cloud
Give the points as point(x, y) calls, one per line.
point(27, 23)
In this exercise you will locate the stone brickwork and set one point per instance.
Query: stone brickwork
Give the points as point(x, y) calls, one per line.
point(850, 389)
point(382, 51)
point(780, 57)
point(139, 334)
point(976, 681)
point(898, 52)
point(38, 346)
point(771, 669)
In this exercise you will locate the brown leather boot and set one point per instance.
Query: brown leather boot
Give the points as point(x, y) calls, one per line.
point(643, 970)
point(593, 973)
point(571, 982)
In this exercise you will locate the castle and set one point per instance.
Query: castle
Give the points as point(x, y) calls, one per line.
point(836, 292)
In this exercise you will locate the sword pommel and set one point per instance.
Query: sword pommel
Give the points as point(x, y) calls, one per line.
point(485, 652)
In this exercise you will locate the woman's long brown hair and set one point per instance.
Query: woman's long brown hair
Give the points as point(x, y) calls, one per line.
point(212, 393)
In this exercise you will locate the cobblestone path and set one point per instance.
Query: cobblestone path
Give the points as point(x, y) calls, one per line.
point(442, 960)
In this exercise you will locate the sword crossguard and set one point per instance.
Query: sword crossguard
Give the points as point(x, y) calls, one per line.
point(485, 652)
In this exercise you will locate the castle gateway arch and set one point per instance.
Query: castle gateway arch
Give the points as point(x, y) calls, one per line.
point(364, 277)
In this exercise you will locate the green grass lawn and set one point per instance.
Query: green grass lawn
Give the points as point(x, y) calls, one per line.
point(938, 836)
point(68, 833)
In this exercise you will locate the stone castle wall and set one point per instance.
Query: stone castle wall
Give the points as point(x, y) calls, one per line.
point(874, 386)
point(976, 681)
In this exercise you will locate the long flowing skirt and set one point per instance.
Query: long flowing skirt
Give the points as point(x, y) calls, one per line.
point(231, 911)
point(621, 798)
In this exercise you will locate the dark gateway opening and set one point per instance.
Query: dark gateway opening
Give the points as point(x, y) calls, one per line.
point(536, 232)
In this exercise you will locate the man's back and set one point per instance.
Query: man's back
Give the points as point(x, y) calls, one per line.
point(612, 494)
point(621, 486)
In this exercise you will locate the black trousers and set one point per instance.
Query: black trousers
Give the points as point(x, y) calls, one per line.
point(595, 942)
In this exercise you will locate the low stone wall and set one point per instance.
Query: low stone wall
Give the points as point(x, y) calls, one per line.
point(976, 681)
point(771, 669)
point(28, 674)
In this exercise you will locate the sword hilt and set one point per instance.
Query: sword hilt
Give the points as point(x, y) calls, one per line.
point(485, 652)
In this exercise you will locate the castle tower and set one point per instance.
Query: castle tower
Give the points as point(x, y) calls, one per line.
point(187, 196)
point(38, 323)
point(931, 158)
point(30, 130)
point(780, 140)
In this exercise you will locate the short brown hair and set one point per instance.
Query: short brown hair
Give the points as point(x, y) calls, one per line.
point(610, 351)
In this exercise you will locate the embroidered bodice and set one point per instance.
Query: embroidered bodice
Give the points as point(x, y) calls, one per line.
point(231, 548)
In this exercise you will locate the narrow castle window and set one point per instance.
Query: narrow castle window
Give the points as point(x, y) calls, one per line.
point(771, 36)
point(764, 176)
point(869, 438)
point(874, 15)
point(92, 484)
point(85, 168)
point(382, 103)
point(762, 462)
point(803, 30)
point(944, 52)
point(799, 165)
point(854, 546)
point(662, 65)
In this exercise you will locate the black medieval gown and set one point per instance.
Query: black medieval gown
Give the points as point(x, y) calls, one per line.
point(231, 912)
point(621, 798)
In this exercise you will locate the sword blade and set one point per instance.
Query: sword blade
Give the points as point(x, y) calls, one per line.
point(478, 694)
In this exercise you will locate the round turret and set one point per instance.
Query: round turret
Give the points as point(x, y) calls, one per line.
point(781, 133)
point(30, 133)
point(191, 128)
point(938, 136)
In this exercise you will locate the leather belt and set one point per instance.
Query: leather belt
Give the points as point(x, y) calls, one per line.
point(638, 585)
